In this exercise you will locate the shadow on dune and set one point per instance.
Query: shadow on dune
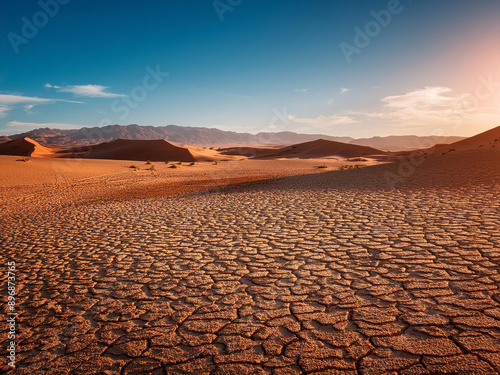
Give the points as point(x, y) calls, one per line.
point(460, 170)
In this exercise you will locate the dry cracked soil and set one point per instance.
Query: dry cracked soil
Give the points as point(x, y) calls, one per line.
point(334, 273)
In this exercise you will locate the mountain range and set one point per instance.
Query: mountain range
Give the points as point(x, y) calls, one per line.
point(199, 136)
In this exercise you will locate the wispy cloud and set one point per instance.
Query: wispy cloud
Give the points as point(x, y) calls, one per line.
point(28, 109)
point(324, 122)
point(433, 107)
point(302, 91)
point(9, 102)
point(235, 95)
point(421, 108)
point(4, 110)
point(26, 126)
point(330, 101)
point(6, 99)
point(344, 90)
point(92, 91)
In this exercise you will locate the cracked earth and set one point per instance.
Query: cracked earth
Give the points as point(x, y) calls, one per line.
point(332, 273)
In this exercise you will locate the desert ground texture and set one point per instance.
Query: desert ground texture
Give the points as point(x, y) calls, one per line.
point(388, 269)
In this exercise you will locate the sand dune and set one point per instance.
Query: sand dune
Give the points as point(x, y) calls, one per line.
point(209, 154)
point(126, 149)
point(322, 148)
point(25, 147)
point(487, 139)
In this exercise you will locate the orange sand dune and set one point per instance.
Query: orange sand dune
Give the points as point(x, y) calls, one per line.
point(127, 149)
point(322, 148)
point(207, 154)
point(487, 139)
point(25, 147)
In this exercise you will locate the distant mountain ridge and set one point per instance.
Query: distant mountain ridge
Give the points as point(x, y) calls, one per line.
point(198, 136)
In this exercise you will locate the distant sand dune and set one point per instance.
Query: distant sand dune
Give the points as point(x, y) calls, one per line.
point(25, 147)
point(209, 154)
point(487, 139)
point(162, 150)
point(126, 149)
point(322, 148)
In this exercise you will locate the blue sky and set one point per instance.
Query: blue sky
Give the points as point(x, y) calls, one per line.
point(348, 68)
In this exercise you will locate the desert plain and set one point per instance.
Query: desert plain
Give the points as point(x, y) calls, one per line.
point(256, 266)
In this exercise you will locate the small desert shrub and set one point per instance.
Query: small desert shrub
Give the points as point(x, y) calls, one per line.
point(192, 163)
point(352, 166)
point(152, 168)
point(135, 167)
point(322, 166)
point(23, 159)
point(173, 166)
point(357, 159)
point(180, 163)
point(167, 161)
point(149, 162)
point(215, 162)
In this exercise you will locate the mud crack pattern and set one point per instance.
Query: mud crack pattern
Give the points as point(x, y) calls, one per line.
point(289, 277)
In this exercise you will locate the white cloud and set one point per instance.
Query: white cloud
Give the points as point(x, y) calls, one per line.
point(8, 102)
point(430, 98)
point(48, 85)
point(93, 91)
point(344, 90)
point(235, 95)
point(302, 91)
point(438, 109)
point(28, 109)
point(26, 126)
point(6, 99)
point(330, 101)
point(4, 110)
point(324, 121)
point(421, 107)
